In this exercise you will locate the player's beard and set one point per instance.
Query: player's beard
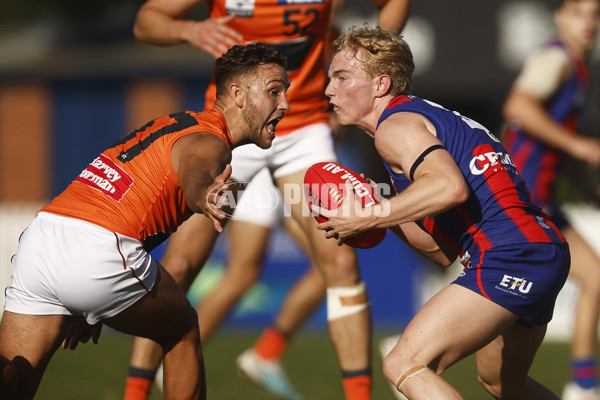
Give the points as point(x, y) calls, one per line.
point(254, 125)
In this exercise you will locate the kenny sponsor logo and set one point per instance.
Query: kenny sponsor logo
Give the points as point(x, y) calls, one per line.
point(104, 175)
point(497, 161)
point(514, 283)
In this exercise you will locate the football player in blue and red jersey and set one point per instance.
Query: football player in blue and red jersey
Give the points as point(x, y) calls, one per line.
point(458, 194)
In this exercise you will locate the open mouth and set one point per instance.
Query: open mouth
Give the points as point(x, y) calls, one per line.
point(272, 124)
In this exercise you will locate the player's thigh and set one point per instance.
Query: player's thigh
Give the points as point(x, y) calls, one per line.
point(295, 231)
point(585, 263)
point(165, 312)
point(338, 263)
point(247, 247)
point(31, 339)
point(189, 248)
point(453, 324)
point(259, 202)
point(507, 359)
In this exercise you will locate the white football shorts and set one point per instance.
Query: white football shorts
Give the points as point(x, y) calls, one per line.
point(67, 266)
point(262, 203)
point(287, 154)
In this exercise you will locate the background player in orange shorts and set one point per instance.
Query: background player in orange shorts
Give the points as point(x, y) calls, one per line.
point(85, 255)
point(303, 138)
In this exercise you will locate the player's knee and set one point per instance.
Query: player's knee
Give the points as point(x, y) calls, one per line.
point(339, 268)
point(343, 301)
point(505, 388)
point(9, 379)
point(239, 283)
point(399, 371)
point(190, 320)
point(491, 385)
point(186, 329)
point(591, 284)
point(315, 275)
point(182, 270)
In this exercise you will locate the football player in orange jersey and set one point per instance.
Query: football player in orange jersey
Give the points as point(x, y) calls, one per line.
point(85, 260)
point(303, 138)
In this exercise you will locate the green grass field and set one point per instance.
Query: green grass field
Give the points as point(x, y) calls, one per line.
point(98, 371)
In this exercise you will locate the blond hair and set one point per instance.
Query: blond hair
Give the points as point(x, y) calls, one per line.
point(385, 53)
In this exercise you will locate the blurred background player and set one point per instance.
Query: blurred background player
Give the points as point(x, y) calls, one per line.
point(303, 138)
point(543, 110)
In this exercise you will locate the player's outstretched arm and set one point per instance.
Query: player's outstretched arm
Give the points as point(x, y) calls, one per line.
point(525, 109)
point(541, 77)
point(201, 162)
point(392, 13)
point(162, 22)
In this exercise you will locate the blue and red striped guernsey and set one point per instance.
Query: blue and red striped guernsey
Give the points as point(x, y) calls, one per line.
point(499, 210)
point(538, 163)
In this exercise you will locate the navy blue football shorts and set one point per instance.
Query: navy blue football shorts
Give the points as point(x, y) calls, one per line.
point(523, 278)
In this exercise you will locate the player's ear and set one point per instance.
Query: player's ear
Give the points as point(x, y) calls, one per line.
point(237, 93)
point(383, 85)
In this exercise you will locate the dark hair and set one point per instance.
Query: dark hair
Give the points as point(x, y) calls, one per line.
point(242, 60)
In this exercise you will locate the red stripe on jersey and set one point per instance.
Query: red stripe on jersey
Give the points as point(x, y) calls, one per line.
point(510, 136)
point(399, 100)
point(572, 122)
point(482, 241)
point(479, 282)
point(504, 190)
point(521, 155)
point(434, 230)
point(547, 174)
point(581, 69)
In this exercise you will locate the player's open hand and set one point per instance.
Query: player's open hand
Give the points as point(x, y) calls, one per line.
point(213, 35)
point(346, 221)
point(216, 198)
point(80, 331)
point(587, 149)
